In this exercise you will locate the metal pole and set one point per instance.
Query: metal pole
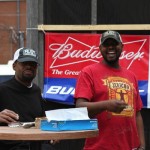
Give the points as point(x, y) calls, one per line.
point(94, 12)
point(18, 21)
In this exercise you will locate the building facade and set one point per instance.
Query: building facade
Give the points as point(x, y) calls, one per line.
point(12, 28)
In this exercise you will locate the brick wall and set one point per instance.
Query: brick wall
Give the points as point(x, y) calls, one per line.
point(12, 21)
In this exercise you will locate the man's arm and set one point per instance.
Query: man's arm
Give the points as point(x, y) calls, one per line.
point(95, 108)
point(140, 128)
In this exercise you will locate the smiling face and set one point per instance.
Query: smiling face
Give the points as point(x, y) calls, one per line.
point(111, 51)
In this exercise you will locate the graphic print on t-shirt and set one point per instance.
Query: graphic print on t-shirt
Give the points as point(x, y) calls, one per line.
point(121, 89)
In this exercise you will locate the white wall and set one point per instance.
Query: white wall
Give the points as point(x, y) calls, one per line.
point(6, 69)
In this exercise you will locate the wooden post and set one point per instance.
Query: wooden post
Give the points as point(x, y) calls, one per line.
point(34, 37)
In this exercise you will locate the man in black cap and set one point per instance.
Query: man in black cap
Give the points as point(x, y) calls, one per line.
point(110, 92)
point(20, 98)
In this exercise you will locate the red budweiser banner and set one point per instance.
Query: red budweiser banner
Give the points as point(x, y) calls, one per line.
point(67, 54)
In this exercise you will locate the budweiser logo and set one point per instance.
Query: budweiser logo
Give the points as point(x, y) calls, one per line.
point(73, 51)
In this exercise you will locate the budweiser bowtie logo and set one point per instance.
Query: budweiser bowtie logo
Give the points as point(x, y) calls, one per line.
point(73, 51)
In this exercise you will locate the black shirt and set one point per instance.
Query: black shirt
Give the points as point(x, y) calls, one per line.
point(26, 102)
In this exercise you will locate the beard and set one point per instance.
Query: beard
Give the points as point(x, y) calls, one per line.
point(113, 61)
point(27, 78)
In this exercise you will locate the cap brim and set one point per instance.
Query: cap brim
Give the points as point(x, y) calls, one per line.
point(27, 59)
point(110, 37)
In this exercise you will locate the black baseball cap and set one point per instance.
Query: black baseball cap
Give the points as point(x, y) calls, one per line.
point(25, 54)
point(110, 34)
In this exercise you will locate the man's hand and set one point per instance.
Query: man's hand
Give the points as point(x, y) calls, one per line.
point(116, 106)
point(8, 116)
